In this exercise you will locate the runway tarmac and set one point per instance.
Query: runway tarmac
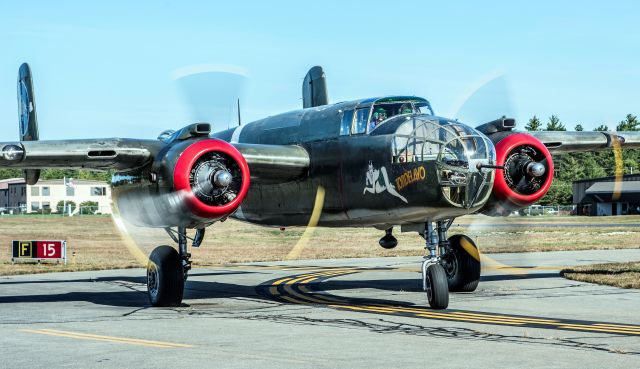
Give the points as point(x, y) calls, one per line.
point(352, 313)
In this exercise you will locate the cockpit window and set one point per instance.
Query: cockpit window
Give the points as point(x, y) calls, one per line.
point(360, 123)
point(423, 108)
point(386, 110)
point(347, 120)
point(367, 118)
point(380, 114)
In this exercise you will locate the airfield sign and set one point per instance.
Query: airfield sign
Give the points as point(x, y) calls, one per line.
point(39, 250)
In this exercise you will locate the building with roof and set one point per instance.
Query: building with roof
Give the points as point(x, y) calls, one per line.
point(13, 195)
point(18, 197)
point(607, 196)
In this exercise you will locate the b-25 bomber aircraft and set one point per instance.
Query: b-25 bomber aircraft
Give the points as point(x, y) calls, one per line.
point(380, 162)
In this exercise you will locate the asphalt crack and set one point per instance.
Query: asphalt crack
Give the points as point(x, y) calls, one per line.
point(383, 326)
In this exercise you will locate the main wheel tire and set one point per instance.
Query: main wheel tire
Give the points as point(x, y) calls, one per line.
point(165, 277)
point(462, 264)
point(436, 285)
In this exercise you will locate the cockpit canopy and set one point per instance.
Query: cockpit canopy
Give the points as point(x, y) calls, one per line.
point(371, 113)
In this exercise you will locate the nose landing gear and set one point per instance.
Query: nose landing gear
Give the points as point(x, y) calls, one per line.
point(434, 278)
point(434, 282)
point(455, 269)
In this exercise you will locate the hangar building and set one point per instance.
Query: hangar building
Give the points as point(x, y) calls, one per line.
point(605, 196)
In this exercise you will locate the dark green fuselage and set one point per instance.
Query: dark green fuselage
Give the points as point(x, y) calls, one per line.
point(340, 164)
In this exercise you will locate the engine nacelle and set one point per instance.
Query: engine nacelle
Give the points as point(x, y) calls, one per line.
point(213, 176)
point(191, 184)
point(526, 177)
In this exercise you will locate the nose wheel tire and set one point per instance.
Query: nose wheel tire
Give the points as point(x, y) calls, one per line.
point(462, 264)
point(165, 277)
point(435, 284)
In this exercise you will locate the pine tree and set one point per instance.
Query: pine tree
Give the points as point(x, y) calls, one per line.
point(534, 124)
point(592, 167)
point(631, 123)
point(601, 128)
point(555, 124)
point(6, 173)
point(579, 128)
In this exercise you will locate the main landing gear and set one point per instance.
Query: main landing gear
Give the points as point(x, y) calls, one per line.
point(168, 268)
point(455, 269)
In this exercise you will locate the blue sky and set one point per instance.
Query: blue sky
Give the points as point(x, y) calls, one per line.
point(104, 68)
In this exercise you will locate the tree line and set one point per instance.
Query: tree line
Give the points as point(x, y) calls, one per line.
point(6, 173)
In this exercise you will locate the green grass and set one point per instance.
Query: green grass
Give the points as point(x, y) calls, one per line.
point(623, 275)
point(99, 245)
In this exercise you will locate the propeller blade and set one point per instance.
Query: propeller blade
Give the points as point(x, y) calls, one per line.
point(485, 100)
point(212, 93)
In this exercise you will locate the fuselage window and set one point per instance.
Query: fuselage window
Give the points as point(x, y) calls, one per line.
point(347, 120)
point(360, 123)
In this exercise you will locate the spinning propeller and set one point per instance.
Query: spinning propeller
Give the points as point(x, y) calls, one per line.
point(211, 178)
point(528, 165)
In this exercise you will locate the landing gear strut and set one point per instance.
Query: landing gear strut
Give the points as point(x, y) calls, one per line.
point(434, 278)
point(168, 268)
point(455, 269)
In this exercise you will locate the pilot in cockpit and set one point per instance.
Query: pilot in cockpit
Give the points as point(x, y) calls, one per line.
point(378, 117)
point(406, 109)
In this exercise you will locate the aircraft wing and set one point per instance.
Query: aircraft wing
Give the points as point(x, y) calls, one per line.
point(95, 154)
point(559, 142)
point(269, 163)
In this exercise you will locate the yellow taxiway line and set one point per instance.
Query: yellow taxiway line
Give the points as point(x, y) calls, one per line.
point(95, 337)
point(293, 289)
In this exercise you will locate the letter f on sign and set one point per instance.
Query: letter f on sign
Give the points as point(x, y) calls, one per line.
point(25, 249)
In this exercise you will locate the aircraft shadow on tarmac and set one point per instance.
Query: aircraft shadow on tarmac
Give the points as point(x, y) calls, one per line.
point(196, 289)
point(132, 297)
point(415, 284)
point(390, 285)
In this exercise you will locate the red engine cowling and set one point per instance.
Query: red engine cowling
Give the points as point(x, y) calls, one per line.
point(521, 182)
point(192, 183)
point(213, 176)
